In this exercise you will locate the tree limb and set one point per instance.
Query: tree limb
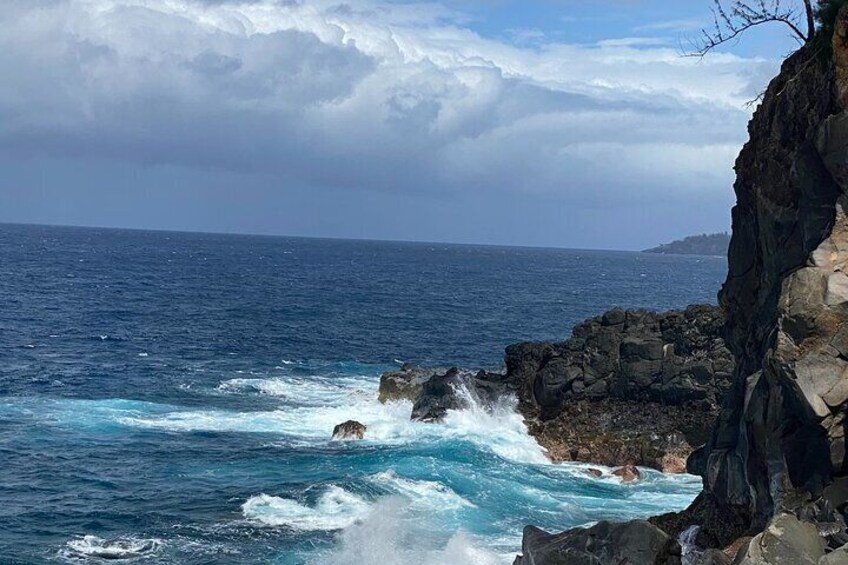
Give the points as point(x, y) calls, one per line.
point(731, 21)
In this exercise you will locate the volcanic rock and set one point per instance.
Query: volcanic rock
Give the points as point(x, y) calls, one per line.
point(349, 430)
point(633, 543)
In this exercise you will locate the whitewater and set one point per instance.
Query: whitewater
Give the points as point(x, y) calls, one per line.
point(455, 492)
point(171, 398)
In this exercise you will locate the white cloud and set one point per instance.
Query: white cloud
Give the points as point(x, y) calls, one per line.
point(365, 95)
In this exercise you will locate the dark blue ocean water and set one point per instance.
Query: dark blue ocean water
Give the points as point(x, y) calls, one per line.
point(171, 396)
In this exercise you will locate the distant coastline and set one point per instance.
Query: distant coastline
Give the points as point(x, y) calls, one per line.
point(714, 244)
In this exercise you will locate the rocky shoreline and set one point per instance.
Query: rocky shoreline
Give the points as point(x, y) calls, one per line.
point(761, 382)
point(630, 387)
point(775, 467)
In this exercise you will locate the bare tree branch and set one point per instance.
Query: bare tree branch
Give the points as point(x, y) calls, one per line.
point(738, 16)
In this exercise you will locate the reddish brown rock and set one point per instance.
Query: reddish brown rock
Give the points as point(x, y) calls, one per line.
point(628, 474)
point(349, 430)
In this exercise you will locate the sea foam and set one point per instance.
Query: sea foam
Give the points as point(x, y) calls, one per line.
point(120, 548)
point(388, 535)
point(336, 509)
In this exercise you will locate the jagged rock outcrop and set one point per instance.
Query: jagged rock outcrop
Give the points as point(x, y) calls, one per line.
point(670, 358)
point(629, 387)
point(458, 390)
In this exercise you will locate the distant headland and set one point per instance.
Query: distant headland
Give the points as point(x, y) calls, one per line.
point(704, 244)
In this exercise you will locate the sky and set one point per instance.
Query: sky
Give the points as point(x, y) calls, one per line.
point(563, 123)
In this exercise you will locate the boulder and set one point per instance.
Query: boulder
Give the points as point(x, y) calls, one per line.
point(439, 394)
point(709, 557)
point(633, 543)
point(785, 541)
point(628, 474)
point(349, 430)
point(838, 556)
point(672, 464)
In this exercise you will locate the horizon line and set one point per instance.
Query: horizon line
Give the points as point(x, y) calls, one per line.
point(325, 238)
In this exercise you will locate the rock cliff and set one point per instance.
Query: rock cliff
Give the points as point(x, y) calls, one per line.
point(629, 387)
point(780, 439)
point(775, 469)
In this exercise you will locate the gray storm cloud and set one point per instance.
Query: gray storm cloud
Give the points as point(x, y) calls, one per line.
point(394, 98)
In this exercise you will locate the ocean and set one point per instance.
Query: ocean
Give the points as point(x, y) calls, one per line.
point(169, 397)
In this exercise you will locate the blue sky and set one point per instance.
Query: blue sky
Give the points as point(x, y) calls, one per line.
point(569, 123)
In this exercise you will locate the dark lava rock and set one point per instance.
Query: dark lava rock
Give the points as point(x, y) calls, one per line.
point(777, 455)
point(631, 543)
point(668, 358)
point(629, 387)
point(438, 395)
point(349, 430)
point(780, 438)
point(458, 390)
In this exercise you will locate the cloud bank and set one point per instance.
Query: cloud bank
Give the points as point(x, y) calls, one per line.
point(369, 95)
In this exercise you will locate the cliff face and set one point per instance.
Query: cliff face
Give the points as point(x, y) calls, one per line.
point(780, 439)
point(775, 466)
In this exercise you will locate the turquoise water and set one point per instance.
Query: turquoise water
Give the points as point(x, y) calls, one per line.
point(169, 398)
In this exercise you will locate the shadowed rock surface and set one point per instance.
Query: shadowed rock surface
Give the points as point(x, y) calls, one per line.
point(629, 387)
point(780, 439)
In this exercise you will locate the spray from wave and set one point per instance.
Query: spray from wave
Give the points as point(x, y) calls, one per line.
point(336, 509)
point(390, 535)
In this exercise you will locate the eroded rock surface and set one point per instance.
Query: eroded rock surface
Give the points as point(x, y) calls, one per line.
point(775, 466)
point(780, 439)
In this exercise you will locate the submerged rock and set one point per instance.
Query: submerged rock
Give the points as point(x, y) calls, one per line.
point(633, 543)
point(349, 430)
point(628, 474)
